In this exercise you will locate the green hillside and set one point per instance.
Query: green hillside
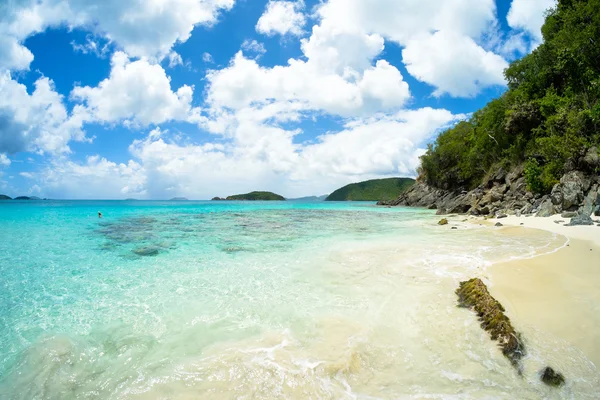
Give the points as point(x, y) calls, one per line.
point(373, 190)
point(548, 120)
point(256, 196)
point(5, 197)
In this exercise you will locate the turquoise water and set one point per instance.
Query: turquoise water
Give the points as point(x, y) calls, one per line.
point(224, 300)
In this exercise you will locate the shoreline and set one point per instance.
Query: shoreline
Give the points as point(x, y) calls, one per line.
point(554, 294)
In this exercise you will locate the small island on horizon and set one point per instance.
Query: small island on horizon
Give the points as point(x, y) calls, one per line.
point(253, 196)
point(372, 190)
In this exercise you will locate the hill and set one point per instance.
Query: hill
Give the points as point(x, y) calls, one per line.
point(535, 148)
point(547, 120)
point(373, 190)
point(178, 199)
point(5, 197)
point(310, 198)
point(257, 196)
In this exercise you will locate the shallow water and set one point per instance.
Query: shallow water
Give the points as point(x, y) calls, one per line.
point(256, 300)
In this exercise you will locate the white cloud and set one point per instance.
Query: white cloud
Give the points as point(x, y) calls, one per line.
point(136, 92)
point(175, 59)
point(38, 122)
point(282, 17)
point(91, 46)
point(97, 178)
point(453, 63)
point(528, 15)
point(257, 155)
point(252, 46)
point(142, 28)
point(207, 58)
point(27, 175)
point(4, 160)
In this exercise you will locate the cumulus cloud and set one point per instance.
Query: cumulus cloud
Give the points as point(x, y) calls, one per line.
point(38, 122)
point(4, 160)
point(259, 154)
point(282, 17)
point(142, 28)
point(453, 63)
point(528, 15)
point(252, 46)
point(136, 92)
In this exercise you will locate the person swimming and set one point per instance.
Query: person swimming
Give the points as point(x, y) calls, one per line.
point(99, 214)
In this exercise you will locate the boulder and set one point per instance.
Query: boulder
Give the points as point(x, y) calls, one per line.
point(589, 203)
point(557, 195)
point(546, 209)
point(498, 224)
point(573, 186)
point(443, 221)
point(591, 160)
point(581, 220)
point(500, 216)
point(569, 214)
point(473, 294)
point(551, 377)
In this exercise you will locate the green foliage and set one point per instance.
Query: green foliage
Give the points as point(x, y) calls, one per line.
point(257, 196)
point(374, 190)
point(4, 197)
point(550, 113)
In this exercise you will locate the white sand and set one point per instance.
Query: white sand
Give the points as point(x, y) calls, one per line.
point(557, 294)
point(589, 233)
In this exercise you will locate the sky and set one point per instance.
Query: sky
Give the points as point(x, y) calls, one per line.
point(154, 99)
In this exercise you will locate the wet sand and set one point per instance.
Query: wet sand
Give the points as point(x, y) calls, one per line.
point(556, 294)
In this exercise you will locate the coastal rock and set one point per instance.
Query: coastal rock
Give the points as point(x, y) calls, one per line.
point(557, 195)
point(546, 209)
point(591, 160)
point(473, 294)
point(552, 378)
point(589, 203)
point(581, 220)
point(500, 216)
point(569, 214)
point(498, 224)
point(443, 221)
point(573, 185)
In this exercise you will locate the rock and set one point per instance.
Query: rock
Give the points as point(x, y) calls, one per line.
point(454, 227)
point(573, 186)
point(498, 224)
point(146, 251)
point(473, 294)
point(597, 211)
point(591, 160)
point(551, 377)
point(589, 204)
point(569, 214)
point(546, 209)
point(557, 195)
point(581, 220)
point(518, 213)
point(432, 207)
point(559, 221)
point(500, 216)
point(443, 221)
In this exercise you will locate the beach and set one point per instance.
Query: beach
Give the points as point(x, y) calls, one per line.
point(280, 300)
point(557, 293)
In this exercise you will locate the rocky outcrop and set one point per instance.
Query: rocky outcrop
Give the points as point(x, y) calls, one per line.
point(577, 194)
point(473, 294)
point(552, 378)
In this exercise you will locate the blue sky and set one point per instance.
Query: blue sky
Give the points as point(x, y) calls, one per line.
point(158, 99)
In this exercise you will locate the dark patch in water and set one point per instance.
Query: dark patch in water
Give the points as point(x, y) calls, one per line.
point(146, 251)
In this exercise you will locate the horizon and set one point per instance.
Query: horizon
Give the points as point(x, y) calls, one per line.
point(297, 96)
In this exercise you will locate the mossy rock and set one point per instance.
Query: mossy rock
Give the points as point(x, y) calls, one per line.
point(473, 294)
point(443, 221)
point(552, 378)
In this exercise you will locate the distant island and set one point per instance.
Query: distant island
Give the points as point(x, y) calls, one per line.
point(257, 196)
point(218, 199)
point(178, 199)
point(310, 198)
point(373, 190)
point(5, 197)
point(25, 198)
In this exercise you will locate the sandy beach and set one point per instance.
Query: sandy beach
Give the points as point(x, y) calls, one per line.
point(556, 294)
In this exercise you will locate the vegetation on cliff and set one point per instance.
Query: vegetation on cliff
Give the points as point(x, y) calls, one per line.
point(373, 190)
point(256, 196)
point(549, 118)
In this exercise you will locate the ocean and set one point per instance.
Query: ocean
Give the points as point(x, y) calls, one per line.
point(258, 300)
